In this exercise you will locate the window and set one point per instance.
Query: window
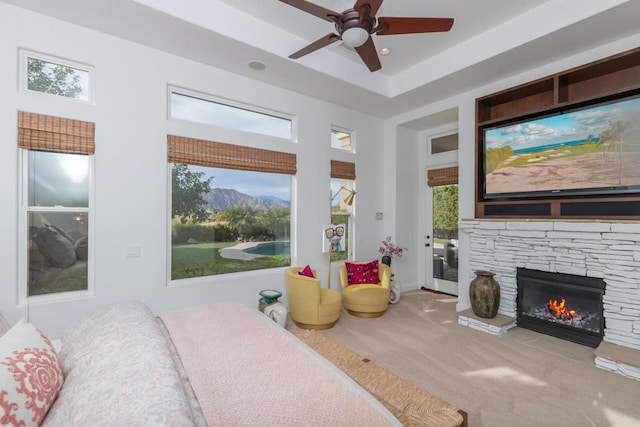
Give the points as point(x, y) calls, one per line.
point(341, 139)
point(57, 159)
point(56, 76)
point(230, 208)
point(342, 212)
point(443, 144)
point(197, 108)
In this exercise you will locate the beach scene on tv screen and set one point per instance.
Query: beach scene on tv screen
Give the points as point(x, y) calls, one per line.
point(592, 148)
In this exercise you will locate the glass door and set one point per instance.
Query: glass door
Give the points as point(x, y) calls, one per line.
point(442, 239)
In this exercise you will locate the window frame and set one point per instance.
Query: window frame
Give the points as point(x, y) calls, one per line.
point(351, 214)
point(187, 281)
point(25, 54)
point(222, 155)
point(23, 237)
point(442, 154)
point(352, 139)
point(232, 104)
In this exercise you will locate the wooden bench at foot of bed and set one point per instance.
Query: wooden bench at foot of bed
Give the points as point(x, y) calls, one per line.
point(412, 405)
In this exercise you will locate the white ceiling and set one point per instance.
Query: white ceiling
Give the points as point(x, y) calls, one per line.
point(490, 39)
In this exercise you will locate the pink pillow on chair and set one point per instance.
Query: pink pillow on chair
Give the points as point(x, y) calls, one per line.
point(372, 272)
point(306, 271)
point(358, 274)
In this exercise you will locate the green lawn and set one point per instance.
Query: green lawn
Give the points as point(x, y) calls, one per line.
point(203, 259)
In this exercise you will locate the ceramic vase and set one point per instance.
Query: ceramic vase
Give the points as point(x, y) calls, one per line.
point(394, 294)
point(386, 259)
point(484, 293)
point(277, 312)
point(271, 307)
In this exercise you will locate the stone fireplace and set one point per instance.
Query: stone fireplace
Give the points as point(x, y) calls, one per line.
point(608, 251)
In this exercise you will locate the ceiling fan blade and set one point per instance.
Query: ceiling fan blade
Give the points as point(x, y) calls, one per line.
point(413, 25)
point(369, 55)
point(374, 4)
point(314, 9)
point(318, 44)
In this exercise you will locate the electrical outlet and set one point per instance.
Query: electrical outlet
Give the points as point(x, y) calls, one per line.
point(379, 215)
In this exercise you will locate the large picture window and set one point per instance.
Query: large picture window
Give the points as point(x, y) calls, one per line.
point(230, 208)
point(57, 158)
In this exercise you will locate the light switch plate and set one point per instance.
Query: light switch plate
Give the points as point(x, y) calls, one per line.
point(132, 252)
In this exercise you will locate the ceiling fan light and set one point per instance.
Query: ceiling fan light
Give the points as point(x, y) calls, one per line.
point(355, 37)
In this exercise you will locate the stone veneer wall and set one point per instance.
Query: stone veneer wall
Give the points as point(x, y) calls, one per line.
point(607, 250)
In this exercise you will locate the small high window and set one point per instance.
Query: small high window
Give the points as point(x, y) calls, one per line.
point(341, 139)
point(444, 143)
point(56, 76)
point(202, 109)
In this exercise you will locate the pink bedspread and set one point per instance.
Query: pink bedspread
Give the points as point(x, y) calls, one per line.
point(245, 370)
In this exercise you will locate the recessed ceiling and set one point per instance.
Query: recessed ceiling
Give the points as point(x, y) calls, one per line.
point(490, 40)
point(409, 49)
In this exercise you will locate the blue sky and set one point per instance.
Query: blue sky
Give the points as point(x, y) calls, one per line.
point(566, 127)
point(217, 114)
point(252, 183)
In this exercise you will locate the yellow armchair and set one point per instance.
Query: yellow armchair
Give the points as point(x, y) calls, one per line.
point(366, 300)
point(310, 305)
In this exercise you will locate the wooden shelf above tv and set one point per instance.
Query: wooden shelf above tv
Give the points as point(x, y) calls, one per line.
point(599, 81)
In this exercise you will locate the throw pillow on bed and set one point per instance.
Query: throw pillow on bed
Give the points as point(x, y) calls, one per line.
point(306, 271)
point(30, 376)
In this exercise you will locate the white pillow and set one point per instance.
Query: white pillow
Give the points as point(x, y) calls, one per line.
point(4, 325)
point(30, 375)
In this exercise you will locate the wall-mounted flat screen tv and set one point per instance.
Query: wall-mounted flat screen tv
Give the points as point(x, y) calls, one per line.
point(592, 150)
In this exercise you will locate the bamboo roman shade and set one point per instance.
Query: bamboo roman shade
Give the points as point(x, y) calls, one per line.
point(442, 176)
point(343, 170)
point(218, 154)
point(49, 133)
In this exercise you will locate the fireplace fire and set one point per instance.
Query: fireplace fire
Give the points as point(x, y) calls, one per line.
point(561, 305)
point(559, 311)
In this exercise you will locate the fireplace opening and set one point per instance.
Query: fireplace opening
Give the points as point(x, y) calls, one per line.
point(561, 305)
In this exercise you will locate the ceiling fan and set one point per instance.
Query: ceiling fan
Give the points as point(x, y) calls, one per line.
point(355, 26)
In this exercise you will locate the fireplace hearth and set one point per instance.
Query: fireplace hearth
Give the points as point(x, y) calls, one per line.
point(561, 305)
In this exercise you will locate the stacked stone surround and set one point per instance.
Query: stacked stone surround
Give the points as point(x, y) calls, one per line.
point(607, 250)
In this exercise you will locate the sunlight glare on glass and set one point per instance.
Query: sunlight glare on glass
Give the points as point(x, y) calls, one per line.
point(76, 166)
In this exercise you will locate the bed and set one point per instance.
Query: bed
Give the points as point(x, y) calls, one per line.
point(218, 364)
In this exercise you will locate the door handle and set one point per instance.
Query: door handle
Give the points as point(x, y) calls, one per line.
point(427, 244)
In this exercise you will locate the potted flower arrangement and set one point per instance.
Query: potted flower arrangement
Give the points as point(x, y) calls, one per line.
point(389, 250)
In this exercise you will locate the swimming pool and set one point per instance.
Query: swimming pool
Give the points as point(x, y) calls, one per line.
point(270, 248)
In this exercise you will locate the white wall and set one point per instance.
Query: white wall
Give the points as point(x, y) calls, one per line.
point(407, 231)
point(465, 103)
point(131, 174)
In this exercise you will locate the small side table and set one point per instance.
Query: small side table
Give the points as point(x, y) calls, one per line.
point(271, 307)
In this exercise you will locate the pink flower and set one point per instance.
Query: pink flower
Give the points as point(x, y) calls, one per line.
point(390, 249)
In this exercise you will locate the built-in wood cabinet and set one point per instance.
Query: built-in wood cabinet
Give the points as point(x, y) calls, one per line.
point(599, 81)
